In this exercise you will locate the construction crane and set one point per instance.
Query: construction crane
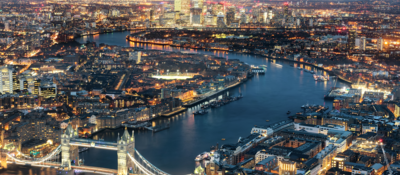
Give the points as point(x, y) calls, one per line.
point(384, 155)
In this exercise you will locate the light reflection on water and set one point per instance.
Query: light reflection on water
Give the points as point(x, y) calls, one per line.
point(266, 97)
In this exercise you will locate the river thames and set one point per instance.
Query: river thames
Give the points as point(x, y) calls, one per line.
point(266, 97)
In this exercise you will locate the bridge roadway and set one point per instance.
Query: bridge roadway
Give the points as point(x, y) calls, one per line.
point(70, 138)
point(90, 169)
point(94, 143)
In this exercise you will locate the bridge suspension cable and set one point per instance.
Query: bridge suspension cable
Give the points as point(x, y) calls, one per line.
point(140, 166)
point(150, 165)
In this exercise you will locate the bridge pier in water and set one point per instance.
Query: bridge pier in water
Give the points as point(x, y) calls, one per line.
point(130, 161)
point(126, 144)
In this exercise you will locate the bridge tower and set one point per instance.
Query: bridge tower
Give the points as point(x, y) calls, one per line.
point(68, 152)
point(126, 144)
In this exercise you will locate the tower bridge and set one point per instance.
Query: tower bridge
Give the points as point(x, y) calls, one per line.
point(130, 161)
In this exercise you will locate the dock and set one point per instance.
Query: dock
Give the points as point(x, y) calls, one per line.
point(208, 96)
point(157, 128)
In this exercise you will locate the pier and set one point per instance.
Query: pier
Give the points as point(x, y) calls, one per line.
point(174, 112)
point(211, 96)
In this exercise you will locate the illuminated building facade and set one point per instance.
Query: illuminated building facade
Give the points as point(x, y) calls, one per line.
point(48, 90)
point(220, 21)
point(287, 167)
point(230, 16)
point(177, 5)
point(195, 16)
point(286, 9)
point(270, 13)
point(185, 7)
point(326, 156)
point(6, 84)
point(379, 44)
point(351, 40)
point(338, 162)
point(363, 42)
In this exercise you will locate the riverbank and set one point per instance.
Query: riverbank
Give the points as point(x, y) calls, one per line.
point(317, 67)
point(266, 97)
point(164, 42)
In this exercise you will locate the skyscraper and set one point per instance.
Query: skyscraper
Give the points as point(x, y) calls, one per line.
point(185, 7)
point(151, 16)
point(6, 84)
point(286, 9)
point(351, 40)
point(177, 5)
point(243, 18)
point(15, 81)
point(220, 20)
point(230, 16)
point(270, 13)
point(6, 26)
point(379, 44)
point(363, 43)
point(195, 16)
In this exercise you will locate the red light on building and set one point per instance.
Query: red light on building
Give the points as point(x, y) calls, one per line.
point(286, 3)
point(339, 30)
point(381, 140)
point(344, 28)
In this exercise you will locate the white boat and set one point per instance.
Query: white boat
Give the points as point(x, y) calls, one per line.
point(322, 78)
point(312, 72)
point(278, 65)
point(299, 68)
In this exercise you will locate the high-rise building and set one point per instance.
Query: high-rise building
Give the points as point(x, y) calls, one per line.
point(36, 86)
point(265, 17)
point(230, 16)
point(351, 40)
point(196, 4)
point(185, 7)
point(358, 43)
point(220, 8)
point(177, 5)
point(15, 81)
point(209, 20)
point(6, 26)
point(48, 90)
point(200, 3)
point(285, 9)
point(270, 13)
point(379, 44)
point(220, 21)
point(214, 9)
point(243, 18)
point(363, 42)
point(151, 15)
point(6, 84)
point(195, 16)
point(311, 22)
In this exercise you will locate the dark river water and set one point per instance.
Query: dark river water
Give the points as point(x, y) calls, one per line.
point(266, 97)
